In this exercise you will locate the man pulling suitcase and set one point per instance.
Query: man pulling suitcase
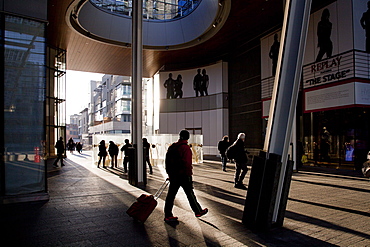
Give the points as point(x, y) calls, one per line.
point(180, 170)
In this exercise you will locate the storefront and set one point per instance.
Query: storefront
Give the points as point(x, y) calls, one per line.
point(333, 111)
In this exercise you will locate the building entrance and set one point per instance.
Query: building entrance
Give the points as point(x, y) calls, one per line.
point(337, 138)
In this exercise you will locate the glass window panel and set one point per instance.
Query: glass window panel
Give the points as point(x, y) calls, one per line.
point(24, 97)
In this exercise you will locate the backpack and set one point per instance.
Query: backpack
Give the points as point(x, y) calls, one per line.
point(174, 163)
point(230, 152)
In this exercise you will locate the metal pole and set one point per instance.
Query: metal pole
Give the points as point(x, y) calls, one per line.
point(137, 72)
point(286, 85)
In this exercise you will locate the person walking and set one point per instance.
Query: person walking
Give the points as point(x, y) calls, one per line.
point(79, 147)
point(59, 145)
point(146, 147)
point(124, 149)
point(241, 160)
point(71, 145)
point(180, 170)
point(113, 152)
point(102, 153)
point(222, 146)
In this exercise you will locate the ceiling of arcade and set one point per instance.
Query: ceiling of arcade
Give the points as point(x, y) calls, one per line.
point(246, 20)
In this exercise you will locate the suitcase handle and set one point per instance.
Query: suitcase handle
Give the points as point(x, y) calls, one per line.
point(161, 189)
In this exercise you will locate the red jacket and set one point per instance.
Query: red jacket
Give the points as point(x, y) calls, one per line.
point(186, 156)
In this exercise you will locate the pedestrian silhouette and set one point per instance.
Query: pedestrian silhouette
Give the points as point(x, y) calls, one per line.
point(146, 147)
point(205, 83)
point(59, 145)
point(197, 83)
point(274, 53)
point(170, 84)
point(113, 152)
point(180, 170)
point(71, 145)
point(79, 147)
point(323, 34)
point(178, 87)
point(365, 23)
point(126, 154)
point(102, 153)
point(222, 147)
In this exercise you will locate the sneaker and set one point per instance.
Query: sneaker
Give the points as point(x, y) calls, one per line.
point(171, 219)
point(240, 186)
point(203, 212)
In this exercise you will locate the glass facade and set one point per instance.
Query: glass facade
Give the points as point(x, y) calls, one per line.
point(337, 138)
point(152, 9)
point(24, 77)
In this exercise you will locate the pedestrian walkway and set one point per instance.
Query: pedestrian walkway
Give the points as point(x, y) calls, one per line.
point(88, 206)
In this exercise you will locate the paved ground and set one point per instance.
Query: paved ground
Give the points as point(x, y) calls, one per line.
point(88, 208)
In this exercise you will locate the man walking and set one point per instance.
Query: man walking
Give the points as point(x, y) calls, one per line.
point(180, 170)
point(59, 145)
point(241, 160)
point(222, 146)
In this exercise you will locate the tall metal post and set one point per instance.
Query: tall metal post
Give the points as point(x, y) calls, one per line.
point(137, 74)
point(271, 172)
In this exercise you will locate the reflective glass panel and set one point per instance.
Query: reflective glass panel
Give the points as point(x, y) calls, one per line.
point(24, 97)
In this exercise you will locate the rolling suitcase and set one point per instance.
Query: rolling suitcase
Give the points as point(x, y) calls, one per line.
point(145, 204)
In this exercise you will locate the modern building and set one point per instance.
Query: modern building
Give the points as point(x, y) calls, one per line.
point(110, 106)
point(236, 42)
point(72, 132)
point(83, 127)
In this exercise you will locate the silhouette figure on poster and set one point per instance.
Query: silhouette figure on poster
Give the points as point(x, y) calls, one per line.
point(170, 84)
point(178, 87)
point(323, 34)
point(274, 53)
point(205, 83)
point(197, 83)
point(365, 23)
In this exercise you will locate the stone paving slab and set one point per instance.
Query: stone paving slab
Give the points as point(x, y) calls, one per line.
point(88, 206)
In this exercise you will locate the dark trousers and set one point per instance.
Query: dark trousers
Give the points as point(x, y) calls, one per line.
point(147, 160)
point(224, 161)
point(102, 157)
point(114, 160)
point(241, 170)
point(125, 161)
point(59, 157)
point(186, 182)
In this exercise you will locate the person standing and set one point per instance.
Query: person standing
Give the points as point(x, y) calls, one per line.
point(205, 83)
point(146, 147)
point(241, 160)
point(169, 84)
point(59, 145)
point(222, 146)
point(323, 35)
point(113, 152)
point(197, 83)
point(274, 53)
point(365, 23)
point(124, 149)
point(178, 87)
point(102, 153)
point(180, 170)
